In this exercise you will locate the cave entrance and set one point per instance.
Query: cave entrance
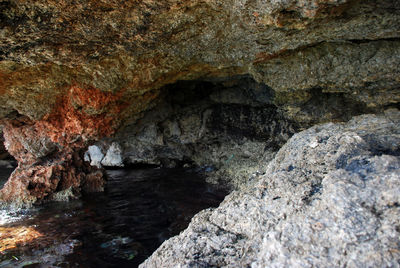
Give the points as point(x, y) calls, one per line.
point(205, 137)
point(225, 127)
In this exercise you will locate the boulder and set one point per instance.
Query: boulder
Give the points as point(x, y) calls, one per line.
point(94, 156)
point(330, 197)
point(113, 156)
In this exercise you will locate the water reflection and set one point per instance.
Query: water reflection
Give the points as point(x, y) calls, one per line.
point(118, 228)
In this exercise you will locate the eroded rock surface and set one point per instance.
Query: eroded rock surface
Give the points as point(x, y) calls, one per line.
point(100, 65)
point(226, 127)
point(329, 197)
point(135, 47)
point(94, 155)
point(47, 170)
point(113, 157)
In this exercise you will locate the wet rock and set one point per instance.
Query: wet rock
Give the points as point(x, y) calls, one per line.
point(330, 197)
point(50, 151)
point(50, 159)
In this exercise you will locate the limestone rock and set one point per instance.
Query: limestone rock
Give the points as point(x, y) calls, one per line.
point(94, 156)
point(340, 76)
point(113, 156)
point(50, 161)
point(197, 123)
point(130, 50)
point(81, 70)
point(330, 197)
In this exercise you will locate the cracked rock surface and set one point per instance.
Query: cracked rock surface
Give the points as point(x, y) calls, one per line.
point(329, 197)
point(84, 69)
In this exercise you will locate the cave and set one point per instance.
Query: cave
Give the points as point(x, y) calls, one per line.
point(199, 133)
point(200, 140)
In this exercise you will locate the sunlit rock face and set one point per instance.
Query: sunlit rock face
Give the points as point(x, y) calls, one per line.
point(73, 72)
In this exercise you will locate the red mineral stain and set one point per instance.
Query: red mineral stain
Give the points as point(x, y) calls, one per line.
point(50, 151)
point(69, 119)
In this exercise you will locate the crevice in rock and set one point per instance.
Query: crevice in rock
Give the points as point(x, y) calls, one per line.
point(7, 161)
point(6, 158)
point(338, 105)
point(362, 41)
point(393, 106)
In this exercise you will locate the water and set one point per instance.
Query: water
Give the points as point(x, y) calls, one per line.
point(4, 174)
point(118, 228)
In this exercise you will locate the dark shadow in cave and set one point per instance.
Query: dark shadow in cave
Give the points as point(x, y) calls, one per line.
point(210, 125)
point(205, 122)
point(7, 162)
point(340, 106)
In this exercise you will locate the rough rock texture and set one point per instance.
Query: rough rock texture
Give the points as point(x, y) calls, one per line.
point(218, 125)
point(339, 78)
point(330, 197)
point(50, 151)
point(135, 47)
point(48, 169)
point(113, 156)
point(82, 69)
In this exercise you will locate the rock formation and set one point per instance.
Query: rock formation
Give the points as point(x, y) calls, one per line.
point(134, 47)
point(74, 72)
point(224, 126)
point(221, 85)
point(50, 150)
point(330, 197)
point(130, 48)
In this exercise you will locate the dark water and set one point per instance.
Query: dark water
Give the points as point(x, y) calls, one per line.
point(119, 228)
point(4, 174)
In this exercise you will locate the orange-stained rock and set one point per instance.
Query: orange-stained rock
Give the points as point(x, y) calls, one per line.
point(74, 71)
point(50, 151)
point(87, 113)
point(46, 170)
